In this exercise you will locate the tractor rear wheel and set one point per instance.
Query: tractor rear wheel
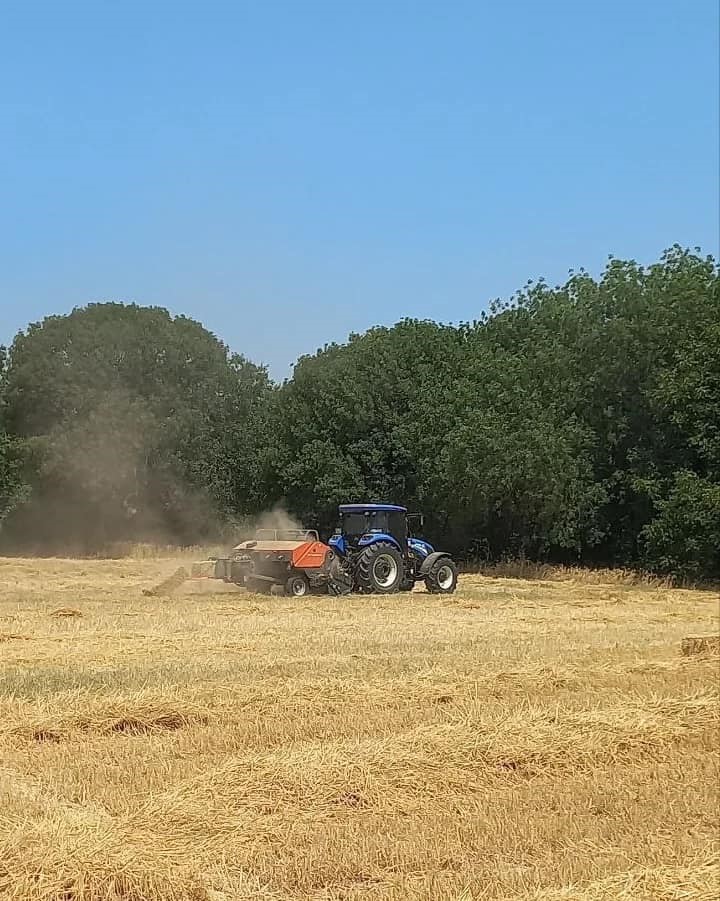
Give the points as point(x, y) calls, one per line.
point(380, 569)
point(442, 578)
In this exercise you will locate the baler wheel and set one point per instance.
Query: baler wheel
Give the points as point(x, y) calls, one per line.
point(297, 585)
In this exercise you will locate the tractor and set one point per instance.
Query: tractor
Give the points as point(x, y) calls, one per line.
point(372, 552)
point(378, 554)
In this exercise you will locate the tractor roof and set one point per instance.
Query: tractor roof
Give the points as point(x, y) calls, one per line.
point(371, 508)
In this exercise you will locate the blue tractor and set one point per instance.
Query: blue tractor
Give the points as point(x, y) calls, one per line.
point(375, 552)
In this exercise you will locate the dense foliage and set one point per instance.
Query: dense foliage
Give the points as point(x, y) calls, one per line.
point(576, 423)
point(132, 424)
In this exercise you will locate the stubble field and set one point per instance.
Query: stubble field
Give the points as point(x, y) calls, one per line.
point(521, 739)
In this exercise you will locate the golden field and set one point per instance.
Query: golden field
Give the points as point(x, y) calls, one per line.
point(521, 739)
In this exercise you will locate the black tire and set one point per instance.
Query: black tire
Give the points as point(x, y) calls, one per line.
point(380, 569)
point(443, 577)
point(340, 577)
point(297, 585)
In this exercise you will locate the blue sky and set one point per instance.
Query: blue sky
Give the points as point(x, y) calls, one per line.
point(288, 172)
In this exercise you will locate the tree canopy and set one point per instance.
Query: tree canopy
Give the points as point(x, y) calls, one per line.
point(133, 423)
point(577, 423)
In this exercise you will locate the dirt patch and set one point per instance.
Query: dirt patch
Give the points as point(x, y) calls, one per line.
point(132, 725)
point(701, 644)
point(66, 612)
point(518, 767)
point(352, 799)
point(47, 735)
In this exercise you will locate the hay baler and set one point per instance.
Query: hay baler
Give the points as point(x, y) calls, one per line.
point(295, 559)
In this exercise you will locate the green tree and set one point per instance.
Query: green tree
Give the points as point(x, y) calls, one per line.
point(358, 421)
point(683, 538)
point(578, 422)
point(13, 488)
point(631, 361)
point(137, 422)
point(554, 426)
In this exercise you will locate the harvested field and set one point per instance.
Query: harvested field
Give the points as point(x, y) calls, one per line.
point(540, 740)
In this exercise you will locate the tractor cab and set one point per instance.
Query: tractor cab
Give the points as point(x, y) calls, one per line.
point(363, 524)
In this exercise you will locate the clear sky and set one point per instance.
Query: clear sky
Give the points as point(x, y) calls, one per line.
point(288, 171)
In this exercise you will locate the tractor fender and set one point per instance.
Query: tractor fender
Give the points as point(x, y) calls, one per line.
point(430, 560)
point(375, 537)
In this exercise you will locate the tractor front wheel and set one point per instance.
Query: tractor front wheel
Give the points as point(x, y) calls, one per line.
point(380, 569)
point(442, 578)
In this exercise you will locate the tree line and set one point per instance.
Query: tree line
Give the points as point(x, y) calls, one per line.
point(578, 423)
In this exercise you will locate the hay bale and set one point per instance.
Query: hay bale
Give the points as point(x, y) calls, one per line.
point(167, 586)
point(205, 569)
point(701, 644)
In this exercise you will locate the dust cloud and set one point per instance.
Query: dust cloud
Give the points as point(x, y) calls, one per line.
point(107, 480)
point(278, 518)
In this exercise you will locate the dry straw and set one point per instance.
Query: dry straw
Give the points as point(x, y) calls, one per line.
point(528, 740)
